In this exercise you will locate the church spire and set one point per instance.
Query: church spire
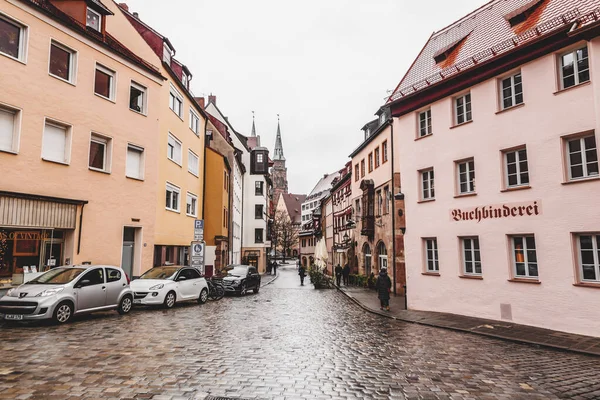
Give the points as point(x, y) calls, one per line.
point(278, 146)
point(253, 127)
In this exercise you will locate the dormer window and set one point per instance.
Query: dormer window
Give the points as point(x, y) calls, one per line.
point(382, 118)
point(444, 53)
point(184, 80)
point(166, 54)
point(521, 14)
point(94, 20)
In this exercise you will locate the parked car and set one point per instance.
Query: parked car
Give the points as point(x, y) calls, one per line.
point(169, 285)
point(66, 291)
point(240, 279)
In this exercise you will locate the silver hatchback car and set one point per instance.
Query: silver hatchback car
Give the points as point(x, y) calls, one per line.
point(64, 292)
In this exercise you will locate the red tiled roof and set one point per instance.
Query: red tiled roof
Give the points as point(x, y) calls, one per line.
point(487, 34)
point(106, 40)
point(293, 203)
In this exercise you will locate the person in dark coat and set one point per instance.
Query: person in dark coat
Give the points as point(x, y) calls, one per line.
point(275, 267)
point(302, 273)
point(338, 274)
point(383, 286)
point(346, 274)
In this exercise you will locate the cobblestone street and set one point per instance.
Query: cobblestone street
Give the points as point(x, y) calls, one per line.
point(288, 342)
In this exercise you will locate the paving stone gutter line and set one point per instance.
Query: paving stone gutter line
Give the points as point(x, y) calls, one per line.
point(562, 341)
point(263, 283)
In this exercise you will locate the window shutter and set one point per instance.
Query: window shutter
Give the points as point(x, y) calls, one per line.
point(54, 143)
point(7, 127)
point(134, 162)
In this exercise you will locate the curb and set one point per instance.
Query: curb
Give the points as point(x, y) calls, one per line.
point(271, 281)
point(457, 329)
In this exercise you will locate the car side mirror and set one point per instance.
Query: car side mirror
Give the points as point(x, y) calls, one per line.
point(181, 278)
point(83, 283)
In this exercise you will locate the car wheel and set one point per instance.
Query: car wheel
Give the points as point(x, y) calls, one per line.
point(170, 300)
point(243, 289)
point(63, 312)
point(125, 305)
point(256, 289)
point(203, 296)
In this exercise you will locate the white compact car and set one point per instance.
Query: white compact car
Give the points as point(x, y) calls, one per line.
point(169, 285)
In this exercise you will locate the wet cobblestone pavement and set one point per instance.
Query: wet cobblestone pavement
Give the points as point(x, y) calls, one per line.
point(287, 342)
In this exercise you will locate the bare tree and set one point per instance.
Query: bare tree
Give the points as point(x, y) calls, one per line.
point(284, 234)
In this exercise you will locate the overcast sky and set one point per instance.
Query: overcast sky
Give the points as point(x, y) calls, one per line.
point(325, 66)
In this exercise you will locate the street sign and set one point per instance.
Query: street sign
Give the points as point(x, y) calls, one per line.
point(199, 230)
point(197, 249)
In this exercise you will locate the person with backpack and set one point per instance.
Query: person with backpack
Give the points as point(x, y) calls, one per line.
point(302, 273)
point(383, 287)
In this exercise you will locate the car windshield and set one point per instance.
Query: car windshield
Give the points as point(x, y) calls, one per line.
point(160, 273)
point(58, 276)
point(238, 271)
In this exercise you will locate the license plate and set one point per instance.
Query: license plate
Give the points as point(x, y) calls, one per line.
point(13, 317)
point(137, 302)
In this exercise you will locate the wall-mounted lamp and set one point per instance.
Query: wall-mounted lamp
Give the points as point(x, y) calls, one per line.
point(399, 196)
point(403, 230)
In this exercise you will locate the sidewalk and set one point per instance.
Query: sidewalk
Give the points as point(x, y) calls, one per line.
point(367, 299)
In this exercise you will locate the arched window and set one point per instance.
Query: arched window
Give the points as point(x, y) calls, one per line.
point(382, 253)
point(367, 254)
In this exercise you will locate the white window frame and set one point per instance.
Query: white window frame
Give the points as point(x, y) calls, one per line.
point(107, 142)
point(595, 249)
point(466, 113)
point(142, 161)
point(194, 122)
point(166, 53)
point(576, 71)
point(177, 97)
point(144, 91)
point(191, 156)
point(16, 133)
point(113, 82)
point(191, 196)
point(525, 257)
point(173, 189)
point(175, 159)
point(72, 62)
point(513, 91)
point(469, 175)
point(382, 258)
point(519, 172)
point(184, 80)
point(99, 20)
point(435, 253)
point(474, 251)
point(23, 38)
point(583, 151)
point(68, 136)
point(429, 176)
point(427, 127)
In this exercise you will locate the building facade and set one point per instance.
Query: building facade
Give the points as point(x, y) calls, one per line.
point(290, 205)
point(497, 144)
point(342, 233)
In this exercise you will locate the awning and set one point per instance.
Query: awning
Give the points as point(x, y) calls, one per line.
point(32, 211)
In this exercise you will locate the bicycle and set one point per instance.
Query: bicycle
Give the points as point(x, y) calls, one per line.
point(216, 291)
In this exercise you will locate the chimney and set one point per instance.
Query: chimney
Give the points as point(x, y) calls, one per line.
point(136, 15)
point(200, 101)
point(124, 6)
point(212, 99)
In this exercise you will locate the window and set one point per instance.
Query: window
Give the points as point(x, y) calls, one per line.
point(356, 173)
point(100, 153)
point(174, 149)
point(574, 68)
point(193, 163)
point(377, 163)
point(95, 276)
point(172, 197)
point(370, 162)
point(62, 62)
point(191, 204)
point(524, 257)
point(135, 162)
point(258, 235)
point(386, 197)
point(184, 80)
point(166, 54)
point(9, 128)
point(56, 142)
point(176, 102)
point(258, 211)
point(367, 253)
point(93, 20)
point(384, 151)
point(466, 176)
point(357, 207)
point(471, 256)
point(462, 109)
point(137, 98)
point(582, 157)
point(258, 188)
point(259, 158)
point(13, 38)
point(225, 181)
point(589, 257)
point(379, 203)
point(432, 262)
point(425, 123)
point(113, 275)
point(427, 185)
point(511, 91)
point(382, 253)
point(194, 122)
point(104, 84)
point(362, 168)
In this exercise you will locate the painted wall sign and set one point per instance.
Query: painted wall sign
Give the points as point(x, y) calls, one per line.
point(498, 211)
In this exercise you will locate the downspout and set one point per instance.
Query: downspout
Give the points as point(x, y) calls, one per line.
point(80, 229)
point(393, 200)
point(204, 171)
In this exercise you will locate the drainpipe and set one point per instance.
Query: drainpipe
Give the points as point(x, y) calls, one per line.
point(204, 172)
point(393, 204)
point(80, 229)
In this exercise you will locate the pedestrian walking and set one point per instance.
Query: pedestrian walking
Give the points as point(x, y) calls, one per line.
point(269, 267)
point(338, 274)
point(274, 267)
point(302, 273)
point(346, 274)
point(383, 286)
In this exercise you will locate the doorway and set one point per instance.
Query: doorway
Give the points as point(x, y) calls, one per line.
point(128, 250)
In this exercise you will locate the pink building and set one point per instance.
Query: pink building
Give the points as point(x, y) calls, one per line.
point(496, 140)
